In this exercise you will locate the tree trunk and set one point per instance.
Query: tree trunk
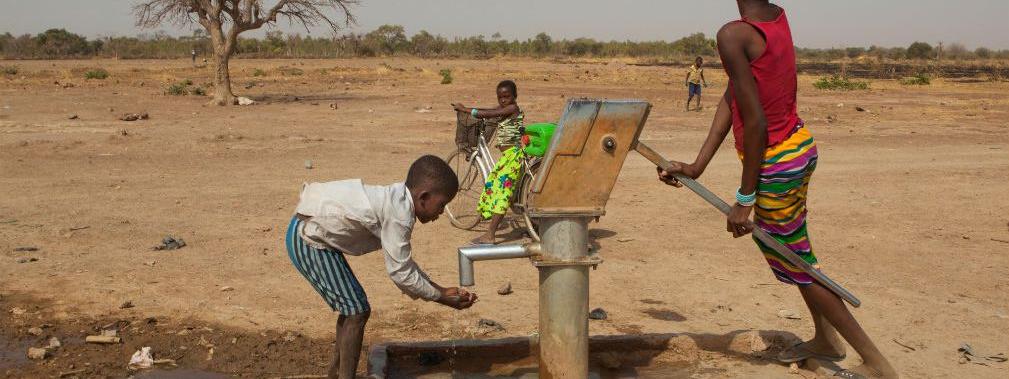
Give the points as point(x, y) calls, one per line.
point(222, 79)
point(223, 47)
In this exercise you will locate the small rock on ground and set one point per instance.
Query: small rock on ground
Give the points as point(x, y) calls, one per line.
point(170, 243)
point(134, 116)
point(789, 314)
point(488, 323)
point(598, 314)
point(505, 289)
point(37, 353)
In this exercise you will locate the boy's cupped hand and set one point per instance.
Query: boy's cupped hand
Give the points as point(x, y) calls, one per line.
point(457, 298)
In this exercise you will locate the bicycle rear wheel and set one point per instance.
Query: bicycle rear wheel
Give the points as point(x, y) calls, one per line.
point(462, 211)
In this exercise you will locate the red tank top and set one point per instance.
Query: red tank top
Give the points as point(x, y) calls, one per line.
point(774, 72)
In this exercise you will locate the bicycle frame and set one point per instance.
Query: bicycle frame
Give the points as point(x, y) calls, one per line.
point(482, 156)
point(486, 160)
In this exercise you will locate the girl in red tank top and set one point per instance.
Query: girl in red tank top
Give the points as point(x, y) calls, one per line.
point(774, 72)
point(779, 156)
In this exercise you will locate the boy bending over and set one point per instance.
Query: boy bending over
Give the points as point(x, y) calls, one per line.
point(347, 217)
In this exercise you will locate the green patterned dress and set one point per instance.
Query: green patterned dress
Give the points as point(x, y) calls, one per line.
point(497, 195)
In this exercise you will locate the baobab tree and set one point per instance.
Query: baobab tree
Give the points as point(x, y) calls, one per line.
point(224, 20)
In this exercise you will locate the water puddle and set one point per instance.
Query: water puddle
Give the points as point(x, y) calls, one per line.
point(527, 368)
point(617, 356)
point(11, 355)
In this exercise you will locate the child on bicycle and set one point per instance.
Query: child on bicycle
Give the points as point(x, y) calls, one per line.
point(497, 195)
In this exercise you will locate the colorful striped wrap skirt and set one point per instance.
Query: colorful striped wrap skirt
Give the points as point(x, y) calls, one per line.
point(781, 203)
point(328, 273)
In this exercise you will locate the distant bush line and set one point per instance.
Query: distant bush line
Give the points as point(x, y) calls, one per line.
point(391, 40)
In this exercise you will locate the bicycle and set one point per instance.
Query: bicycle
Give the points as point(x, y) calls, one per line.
point(472, 165)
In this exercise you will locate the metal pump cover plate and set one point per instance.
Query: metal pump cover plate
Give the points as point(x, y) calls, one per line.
point(586, 154)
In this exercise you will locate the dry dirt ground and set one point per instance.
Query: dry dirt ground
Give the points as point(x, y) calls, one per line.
point(908, 210)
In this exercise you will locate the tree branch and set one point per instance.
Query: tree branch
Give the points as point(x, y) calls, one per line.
point(243, 14)
point(271, 16)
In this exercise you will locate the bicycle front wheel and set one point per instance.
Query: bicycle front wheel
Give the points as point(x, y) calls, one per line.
point(531, 224)
point(461, 210)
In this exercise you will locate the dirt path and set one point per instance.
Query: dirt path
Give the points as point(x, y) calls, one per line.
point(908, 210)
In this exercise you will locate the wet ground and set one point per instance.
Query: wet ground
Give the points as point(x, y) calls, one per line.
point(669, 355)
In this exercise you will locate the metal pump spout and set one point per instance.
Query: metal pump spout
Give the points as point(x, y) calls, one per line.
point(468, 254)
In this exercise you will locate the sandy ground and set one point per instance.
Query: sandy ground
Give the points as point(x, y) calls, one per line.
point(908, 210)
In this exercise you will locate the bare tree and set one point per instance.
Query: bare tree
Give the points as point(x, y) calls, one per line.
point(226, 19)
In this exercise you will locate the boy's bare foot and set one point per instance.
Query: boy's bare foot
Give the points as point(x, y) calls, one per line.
point(812, 349)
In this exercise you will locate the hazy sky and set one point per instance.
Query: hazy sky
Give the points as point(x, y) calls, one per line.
point(815, 23)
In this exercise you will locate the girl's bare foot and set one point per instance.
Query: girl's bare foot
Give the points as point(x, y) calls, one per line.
point(812, 349)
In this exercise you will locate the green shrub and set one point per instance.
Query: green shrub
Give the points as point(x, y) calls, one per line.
point(9, 70)
point(446, 76)
point(182, 88)
point(258, 72)
point(292, 71)
point(98, 73)
point(920, 79)
point(840, 83)
point(177, 89)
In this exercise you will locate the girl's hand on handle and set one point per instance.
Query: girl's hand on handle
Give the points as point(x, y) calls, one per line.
point(667, 176)
point(460, 108)
point(738, 221)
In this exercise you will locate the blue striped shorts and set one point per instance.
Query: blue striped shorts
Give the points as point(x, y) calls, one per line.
point(328, 272)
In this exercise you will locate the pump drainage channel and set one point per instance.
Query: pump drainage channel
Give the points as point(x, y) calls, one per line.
point(620, 356)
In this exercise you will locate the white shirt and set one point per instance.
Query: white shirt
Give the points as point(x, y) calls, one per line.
point(357, 219)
